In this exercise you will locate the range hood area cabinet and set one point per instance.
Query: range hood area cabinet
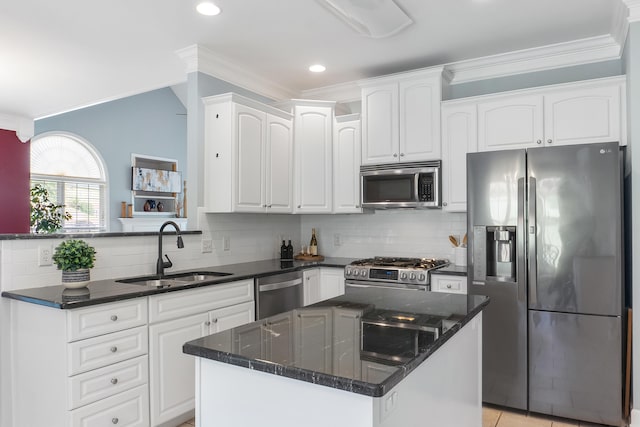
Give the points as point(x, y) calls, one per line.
point(248, 156)
point(401, 117)
point(590, 111)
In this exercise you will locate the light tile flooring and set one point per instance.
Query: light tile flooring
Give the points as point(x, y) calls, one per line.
point(500, 417)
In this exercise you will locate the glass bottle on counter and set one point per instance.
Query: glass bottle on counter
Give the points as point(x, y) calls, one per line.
point(313, 245)
point(283, 251)
point(289, 250)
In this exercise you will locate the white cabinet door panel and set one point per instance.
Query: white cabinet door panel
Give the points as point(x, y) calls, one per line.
point(459, 137)
point(380, 124)
point(231, 317)
point(346, 170)
point(172, 376)
point(583, 116)
point(419, 120)
point(279, 165)
point(313, 326)
point(510, 123)
point(250, 137)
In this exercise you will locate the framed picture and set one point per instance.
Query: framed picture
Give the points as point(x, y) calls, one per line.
point(156, 180)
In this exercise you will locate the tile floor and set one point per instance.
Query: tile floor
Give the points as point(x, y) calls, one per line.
point(499, 417)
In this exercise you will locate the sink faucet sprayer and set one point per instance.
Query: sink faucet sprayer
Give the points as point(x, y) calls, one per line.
point(161, 265)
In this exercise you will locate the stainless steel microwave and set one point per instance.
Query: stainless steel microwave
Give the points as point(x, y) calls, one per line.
point(401, 185)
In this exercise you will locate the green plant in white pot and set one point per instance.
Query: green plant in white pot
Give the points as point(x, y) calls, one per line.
point(74, 258)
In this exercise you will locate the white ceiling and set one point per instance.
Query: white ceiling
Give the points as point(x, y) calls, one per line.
point(60, 55)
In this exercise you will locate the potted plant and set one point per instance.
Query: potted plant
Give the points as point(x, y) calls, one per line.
point(74, 258)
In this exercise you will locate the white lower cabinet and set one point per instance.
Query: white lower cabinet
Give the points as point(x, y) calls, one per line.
point(322, 283)
point(81, 367)
point(449, 283)
point(172, 373)
point(346, 331)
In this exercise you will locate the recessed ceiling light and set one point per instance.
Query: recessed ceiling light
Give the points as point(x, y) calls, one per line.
point(208, 8)
point(317, 68)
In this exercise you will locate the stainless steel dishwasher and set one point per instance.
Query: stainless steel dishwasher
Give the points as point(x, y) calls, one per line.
point(278, 293)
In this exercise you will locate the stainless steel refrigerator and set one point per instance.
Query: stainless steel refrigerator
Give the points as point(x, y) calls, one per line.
point(545, 244)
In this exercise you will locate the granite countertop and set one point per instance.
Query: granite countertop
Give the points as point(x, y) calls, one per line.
point(105, 291)
point(236, 346)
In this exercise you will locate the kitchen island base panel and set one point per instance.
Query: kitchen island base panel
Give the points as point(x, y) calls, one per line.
point(445, 390)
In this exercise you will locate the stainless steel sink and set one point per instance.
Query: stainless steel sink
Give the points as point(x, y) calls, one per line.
point(176, 279)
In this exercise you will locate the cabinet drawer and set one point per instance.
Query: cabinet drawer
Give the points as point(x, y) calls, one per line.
point(185, 303)
point(451, 284)
point(105, 318)
point(127, 409)
point(104, 382)
point(105, 350)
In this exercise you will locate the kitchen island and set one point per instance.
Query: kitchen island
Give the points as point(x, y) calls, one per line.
point(372, 357)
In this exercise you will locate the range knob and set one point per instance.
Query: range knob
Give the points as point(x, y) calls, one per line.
point(363, 273)
point(403, 276)
point(421, 277)
point(412, 276)
point(348, 272)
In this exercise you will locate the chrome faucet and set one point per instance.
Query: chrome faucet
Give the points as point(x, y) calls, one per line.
point(161, 265)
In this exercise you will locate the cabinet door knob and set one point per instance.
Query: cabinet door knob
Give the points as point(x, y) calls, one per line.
point(449, 286)
point(539, 141)
point(395, 155)
point(298, 206)
point(444, 203)
point(401, 154)
point(114, 421)
point(549, 141)
point(207, 323)
point(114, 318)
point(215, 320)
point(113, 349)
point(114, 381)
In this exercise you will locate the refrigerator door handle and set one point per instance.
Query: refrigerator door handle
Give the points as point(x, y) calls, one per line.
point(521, 243)
point(531, 239)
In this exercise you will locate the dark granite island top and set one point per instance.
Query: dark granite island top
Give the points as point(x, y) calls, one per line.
point(301, 341)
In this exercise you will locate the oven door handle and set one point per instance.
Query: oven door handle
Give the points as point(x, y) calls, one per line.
point(281, 285)
point(399, 286)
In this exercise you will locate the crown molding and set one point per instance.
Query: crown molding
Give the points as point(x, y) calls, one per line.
point(21, 125)
point(584, 51)
point(342, 92)
point(634, 10)
point(200, 59)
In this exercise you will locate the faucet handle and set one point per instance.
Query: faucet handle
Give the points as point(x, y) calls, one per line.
point(168, 263)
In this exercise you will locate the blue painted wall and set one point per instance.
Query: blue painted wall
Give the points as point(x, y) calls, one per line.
point(539, 78)
point(153, 123)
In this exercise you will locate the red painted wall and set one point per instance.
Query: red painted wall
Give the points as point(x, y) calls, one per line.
point(14, 183)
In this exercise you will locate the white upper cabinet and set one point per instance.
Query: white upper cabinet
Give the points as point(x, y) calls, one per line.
point(509, 123)
point(401, 118)
point(346, 164)
point(313, 161)
point(248, 156)
point(459, 137)
point(279, 165)
point(575, 113)
point(583, 115)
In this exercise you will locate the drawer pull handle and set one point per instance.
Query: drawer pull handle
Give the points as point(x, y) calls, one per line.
point(207, 323)
point(449, 286)
point(114, 420)
point(114, 381)
point(114, 349)
point(215, 320)
point(114, 318)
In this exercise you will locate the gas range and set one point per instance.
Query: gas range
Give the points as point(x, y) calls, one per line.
point(405, 273)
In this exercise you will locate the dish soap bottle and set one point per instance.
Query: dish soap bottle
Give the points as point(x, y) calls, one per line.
point(313, 245)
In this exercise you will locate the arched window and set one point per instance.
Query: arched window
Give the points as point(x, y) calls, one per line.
point(74, 173)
